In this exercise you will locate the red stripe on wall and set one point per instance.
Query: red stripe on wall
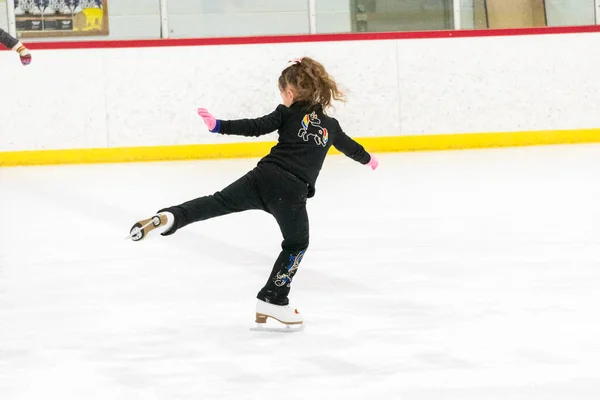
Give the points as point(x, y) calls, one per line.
point(337, 37)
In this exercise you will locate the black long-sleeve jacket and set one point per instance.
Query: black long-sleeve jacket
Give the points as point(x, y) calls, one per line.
point(305, 136)
point(7, 40)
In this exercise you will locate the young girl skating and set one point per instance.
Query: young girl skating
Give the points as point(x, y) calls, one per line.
point(281, 182)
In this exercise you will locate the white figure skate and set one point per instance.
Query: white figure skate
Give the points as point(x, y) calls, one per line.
point(287, 318)
point(141, 228)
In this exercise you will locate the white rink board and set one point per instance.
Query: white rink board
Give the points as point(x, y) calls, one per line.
point(499, 84)
point(148, 96)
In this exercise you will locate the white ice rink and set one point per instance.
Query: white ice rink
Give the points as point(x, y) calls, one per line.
point(464, 275)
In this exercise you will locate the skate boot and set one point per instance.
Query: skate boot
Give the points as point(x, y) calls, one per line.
point(141, 228)
point(287, 319)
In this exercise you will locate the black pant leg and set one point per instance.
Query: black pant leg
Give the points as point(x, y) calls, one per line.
point(288, 206)
point(239, 196)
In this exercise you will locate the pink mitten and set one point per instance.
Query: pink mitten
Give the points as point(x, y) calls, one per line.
point(373, 163)
point(208, 118)
point(23, 53)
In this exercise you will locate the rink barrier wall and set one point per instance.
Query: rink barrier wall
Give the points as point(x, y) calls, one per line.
point(259, 149)
point(308, 38)
point(126, 101)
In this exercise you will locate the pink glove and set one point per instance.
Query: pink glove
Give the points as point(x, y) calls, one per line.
point(373, 163)
point(208, 118)
point(23, 53)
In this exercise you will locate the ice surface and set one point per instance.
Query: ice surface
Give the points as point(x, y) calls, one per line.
point(464, 275)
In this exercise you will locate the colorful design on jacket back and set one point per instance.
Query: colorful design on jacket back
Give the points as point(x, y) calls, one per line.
point(318, 133)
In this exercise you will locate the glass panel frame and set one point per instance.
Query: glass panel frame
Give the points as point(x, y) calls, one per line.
point(237, 18)
point(509, 14)
point(389, 15)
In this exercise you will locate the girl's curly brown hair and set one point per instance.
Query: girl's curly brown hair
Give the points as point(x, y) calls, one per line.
point(311, 82)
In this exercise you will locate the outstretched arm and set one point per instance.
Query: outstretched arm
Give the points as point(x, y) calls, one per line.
point(7, 40)
point(353, 149)
point(11, 43)
point(245, 127)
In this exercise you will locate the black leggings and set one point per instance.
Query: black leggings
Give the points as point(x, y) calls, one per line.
point(274, 190)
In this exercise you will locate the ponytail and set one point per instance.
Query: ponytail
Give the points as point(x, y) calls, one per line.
point(311, 83)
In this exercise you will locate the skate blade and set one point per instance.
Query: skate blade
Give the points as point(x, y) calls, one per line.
point(282, 329)
point(140, 232)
